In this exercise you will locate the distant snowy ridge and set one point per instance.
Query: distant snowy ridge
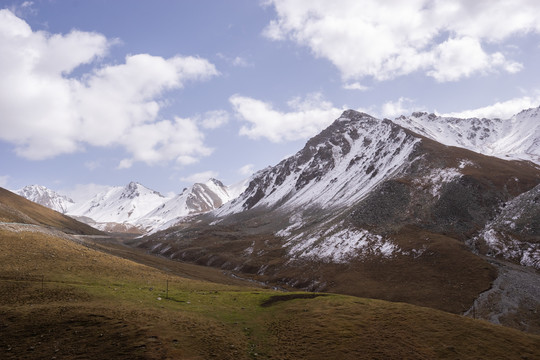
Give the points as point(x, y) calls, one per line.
point(46, 197)
point(514, 138)
point(197, 199)
point(120, 204)
point(124, 208)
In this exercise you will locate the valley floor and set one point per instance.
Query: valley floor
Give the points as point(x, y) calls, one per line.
point(61, 298)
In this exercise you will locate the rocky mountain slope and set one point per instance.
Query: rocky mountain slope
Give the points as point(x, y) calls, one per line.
point(46, 197)
point(368, 207)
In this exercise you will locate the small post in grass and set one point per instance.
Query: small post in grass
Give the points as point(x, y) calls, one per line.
point(167, 295)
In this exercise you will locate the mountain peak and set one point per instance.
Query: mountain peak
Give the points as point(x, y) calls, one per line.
point(131, 190)
point(215, 182)
point(46, 197)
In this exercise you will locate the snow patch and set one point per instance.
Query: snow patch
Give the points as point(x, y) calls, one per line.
point(436, 179)
point(528, 254)
point(464, 163)
point(296, 223)
point(338, 246)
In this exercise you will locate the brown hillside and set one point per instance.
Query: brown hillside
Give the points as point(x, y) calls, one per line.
point(93, 305)
point(16, 209)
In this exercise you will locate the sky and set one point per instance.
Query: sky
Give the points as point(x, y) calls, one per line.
point(167, 93)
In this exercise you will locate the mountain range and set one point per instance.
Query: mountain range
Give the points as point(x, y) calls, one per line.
point(422, 209)
point(134, 207)
point(377, 207)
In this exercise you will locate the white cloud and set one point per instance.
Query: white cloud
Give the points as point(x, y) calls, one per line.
point(307, 117)
point(247, 170)
point(4, 180)
point(214, 119)
point(502, 110)
point(45, 112)
point(200, 177)
point(386, 39)
point(164, 141)
point(403, 106)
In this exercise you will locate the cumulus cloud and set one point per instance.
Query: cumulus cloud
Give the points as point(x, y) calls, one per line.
point(200, 177)
point(384, 39)
point(502, 110)
point(306, 118)
point(46, 111)
point(179, 140)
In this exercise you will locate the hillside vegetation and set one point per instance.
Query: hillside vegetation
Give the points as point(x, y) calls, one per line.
point(61, 299)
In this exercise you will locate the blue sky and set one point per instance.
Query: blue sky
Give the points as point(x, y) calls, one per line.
point(167, 93)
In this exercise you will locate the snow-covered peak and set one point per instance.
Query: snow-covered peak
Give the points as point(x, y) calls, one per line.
point(514, 138)
point(356, 149)
point(46, 197)
point(120, 204)
point(197, 199)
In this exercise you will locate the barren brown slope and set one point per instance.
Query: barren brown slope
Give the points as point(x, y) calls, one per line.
point(15, 208)
point(96, 306)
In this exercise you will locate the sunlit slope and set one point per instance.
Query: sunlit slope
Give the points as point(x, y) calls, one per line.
point(15, 208)
point(59, 298)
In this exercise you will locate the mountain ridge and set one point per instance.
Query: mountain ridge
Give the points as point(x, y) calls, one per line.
point(367, 208)
point(136, 208)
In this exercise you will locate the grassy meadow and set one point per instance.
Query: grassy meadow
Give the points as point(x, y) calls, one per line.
point(61, 299)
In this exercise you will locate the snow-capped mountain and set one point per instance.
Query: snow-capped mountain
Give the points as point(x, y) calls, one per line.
point(355, 149)
point(197, 199)
point(343, 176)
point(368, 207)
point(514, 138)
point(46, 197)
point(120, 204)
point(136, 208)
